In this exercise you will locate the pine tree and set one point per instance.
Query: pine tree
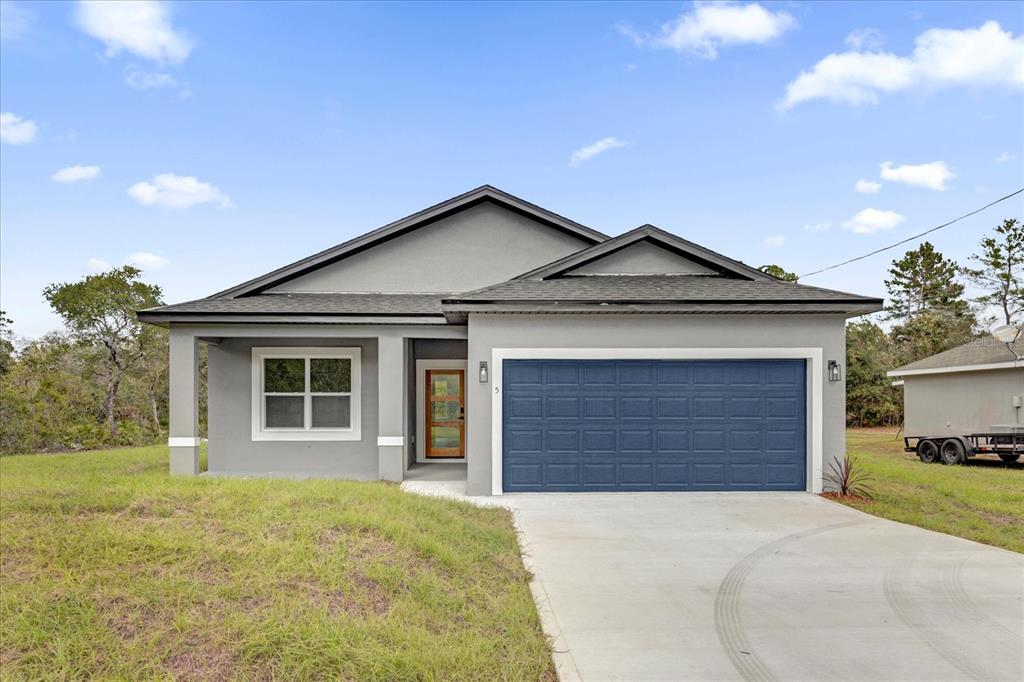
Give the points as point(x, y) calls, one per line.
point(924, 281)
point(928, 301)
point(1000, 270)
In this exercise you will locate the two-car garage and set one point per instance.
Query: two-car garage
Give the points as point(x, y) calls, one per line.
point(573, 425)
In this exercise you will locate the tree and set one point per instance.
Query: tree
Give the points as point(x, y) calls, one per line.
point(6, 344)
point(99, 310)
point(871, 399)
point(778, 272)
point(928, 301)
point(924, 281)
point(1000, 270)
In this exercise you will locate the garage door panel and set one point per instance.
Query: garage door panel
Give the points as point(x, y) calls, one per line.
point(567, 440)
point(671, 407)
point(673, 440)
point(600, 407)
point(639, 374)
point(599, 475)
point(637, 441)
point(783, 474)
point(654, 425)
point(600, 441)
point(636, 407)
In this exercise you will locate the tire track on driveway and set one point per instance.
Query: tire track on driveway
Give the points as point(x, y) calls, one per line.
point(946, 644)
point(728, 621)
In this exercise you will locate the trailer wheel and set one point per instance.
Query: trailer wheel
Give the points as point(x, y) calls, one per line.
point(952, 452)
point(928, 451)
point(1009, 458)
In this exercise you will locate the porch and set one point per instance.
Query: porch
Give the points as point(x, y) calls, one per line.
point(332, 401)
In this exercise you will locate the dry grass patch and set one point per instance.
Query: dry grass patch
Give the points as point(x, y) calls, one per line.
point(111, 569)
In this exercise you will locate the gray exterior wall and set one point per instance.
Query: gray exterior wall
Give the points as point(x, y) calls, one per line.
point(477, 247)
point(961, 402)
point(231, 448)
point(487, 332)
point(643, 258)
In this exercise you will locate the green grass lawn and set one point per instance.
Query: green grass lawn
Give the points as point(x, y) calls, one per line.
point(109, 568)
point(982, 500)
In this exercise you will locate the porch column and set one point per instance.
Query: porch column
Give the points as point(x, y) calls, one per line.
point(390, 407)
point(183, 406)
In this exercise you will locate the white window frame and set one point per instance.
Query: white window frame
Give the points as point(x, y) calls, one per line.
point(260, 432)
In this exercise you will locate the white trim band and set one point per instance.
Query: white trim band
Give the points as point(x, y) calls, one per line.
point(955, 368)
point(815, 387)
point(391, 441)
point(183, 442)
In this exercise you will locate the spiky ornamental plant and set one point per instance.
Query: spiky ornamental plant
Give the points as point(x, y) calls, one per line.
point(849, 478)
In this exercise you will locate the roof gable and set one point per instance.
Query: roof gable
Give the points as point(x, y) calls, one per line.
point(710, 261)
point(428, 216)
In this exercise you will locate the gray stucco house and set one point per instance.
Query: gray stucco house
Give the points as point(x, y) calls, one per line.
point(542, 354)
point(967, 389)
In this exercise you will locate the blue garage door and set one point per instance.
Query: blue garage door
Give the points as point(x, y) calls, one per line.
point(629, 425)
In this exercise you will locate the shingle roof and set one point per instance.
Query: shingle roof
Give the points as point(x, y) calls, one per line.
point(655, 294)
point(655, 288)
point(306, 304)
point(987, 350)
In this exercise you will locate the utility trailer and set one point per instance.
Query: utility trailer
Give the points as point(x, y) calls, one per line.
point(1006, 442)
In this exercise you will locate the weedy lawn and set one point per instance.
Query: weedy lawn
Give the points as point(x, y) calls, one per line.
point(110, 568)
point(982, 500)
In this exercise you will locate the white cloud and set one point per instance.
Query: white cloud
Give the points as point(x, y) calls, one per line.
point(75, 174)
point(144, 260)
point(941, 58)
point(932, 175)
point(818, 227)
point(1004, 157)
point(867, 187)
point(775, 241)
point(153, 80)
point(97, 265)
point(15, 21)
point(591, 150)
point(177, 191)
point(17, 130)
point(142, 27)
point(872, 220)
point(865, 39)
point(711, 25)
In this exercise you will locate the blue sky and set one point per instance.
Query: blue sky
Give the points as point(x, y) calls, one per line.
point(230, 139)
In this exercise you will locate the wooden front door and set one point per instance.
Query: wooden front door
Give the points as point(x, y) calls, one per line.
point(445, 413)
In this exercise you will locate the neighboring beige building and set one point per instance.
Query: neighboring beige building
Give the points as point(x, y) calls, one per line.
point(967, 389)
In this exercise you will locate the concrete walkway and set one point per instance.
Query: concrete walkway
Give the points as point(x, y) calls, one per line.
point(706, 586)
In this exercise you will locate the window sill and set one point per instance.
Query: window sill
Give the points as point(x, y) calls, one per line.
point(310, 436)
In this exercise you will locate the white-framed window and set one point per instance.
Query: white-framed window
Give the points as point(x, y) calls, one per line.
point(306, 393)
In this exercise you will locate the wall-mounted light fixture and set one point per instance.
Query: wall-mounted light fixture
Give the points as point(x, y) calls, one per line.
point(483, 371)
point(835, 373)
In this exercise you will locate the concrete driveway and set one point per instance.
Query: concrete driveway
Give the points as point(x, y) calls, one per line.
point(712, 586)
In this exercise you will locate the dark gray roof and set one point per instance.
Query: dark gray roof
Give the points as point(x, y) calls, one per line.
point(987, 350)
point(656, 294)
point(655, 288)
point(484, 193)
point(357, 305)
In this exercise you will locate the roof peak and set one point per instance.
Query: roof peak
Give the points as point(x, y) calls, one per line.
point(725, 266)
point(409, 223)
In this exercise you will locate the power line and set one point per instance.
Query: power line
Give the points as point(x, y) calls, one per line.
point(916, 236)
